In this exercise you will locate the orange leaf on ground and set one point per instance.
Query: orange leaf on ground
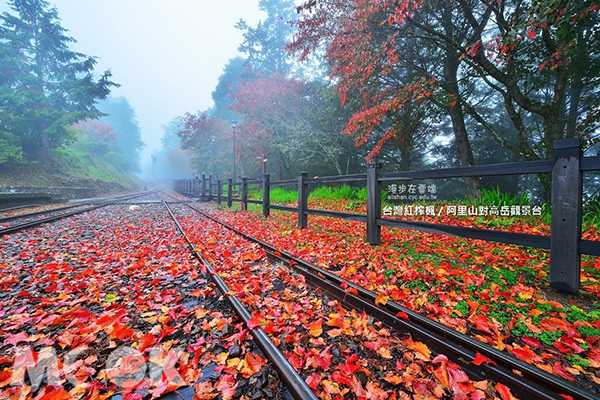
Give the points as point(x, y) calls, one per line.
point(441, 374)
point(253, 363)
point(504, 392)
point(421, 350)
point(393, 379)
point(351, 290)
point(227, 386)
point(315, 328)
point(146, 341)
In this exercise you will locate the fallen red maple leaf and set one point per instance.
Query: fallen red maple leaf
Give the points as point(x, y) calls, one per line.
point(481, 359)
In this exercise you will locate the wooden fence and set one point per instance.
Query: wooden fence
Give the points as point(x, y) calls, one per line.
point(565, 243)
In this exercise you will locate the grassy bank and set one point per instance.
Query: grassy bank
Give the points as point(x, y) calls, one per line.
point(69, 168)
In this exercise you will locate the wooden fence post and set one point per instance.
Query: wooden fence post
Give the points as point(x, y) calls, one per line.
point(203, 188)
point(219, 191)
point(266, 197)
point(244, 194)
point(195, 186)
point(373, 203)
point(229, 192)
point(302, 200)
point(210, 186)
point(565, 260)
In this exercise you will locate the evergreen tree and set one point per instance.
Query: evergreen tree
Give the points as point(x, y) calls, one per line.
point(236, 70)
point(266, 43)
point(45, 86)
point(120, 115)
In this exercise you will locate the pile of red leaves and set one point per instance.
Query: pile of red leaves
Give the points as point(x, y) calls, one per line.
point(341, 354)
point(494, 292)
point(110, 303)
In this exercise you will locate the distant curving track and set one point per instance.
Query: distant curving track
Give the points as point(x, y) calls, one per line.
point(26, 221)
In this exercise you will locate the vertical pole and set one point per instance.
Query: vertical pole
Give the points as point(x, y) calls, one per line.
point(302, 200)
point(244, 194)
point(234, 125)
point(373, 203)
point(203, 188)
point(219, 191)
point(266, 189)
point(196, 185)
point(229, 192)
point(210, 185)
point(565, 260)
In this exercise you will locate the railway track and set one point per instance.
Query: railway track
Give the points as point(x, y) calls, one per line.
point(296, 385)
point(20, 222)
point(525, 381)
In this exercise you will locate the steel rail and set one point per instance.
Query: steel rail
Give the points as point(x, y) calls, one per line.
point(19, 207)
point(294, 382)
point(529, 382)
point(32, 224)
point(35, 213)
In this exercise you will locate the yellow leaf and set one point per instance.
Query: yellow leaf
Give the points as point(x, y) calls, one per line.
point(234, 363)
point(524, 296)
point(221, 358)
point(382, 300)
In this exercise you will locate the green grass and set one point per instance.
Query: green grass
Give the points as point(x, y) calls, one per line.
point(489, 197)
point(493, 197)
point(279, 195)
point(343, 192)
point(70, 168)
point(591, 213)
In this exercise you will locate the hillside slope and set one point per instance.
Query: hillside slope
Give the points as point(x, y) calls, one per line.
point(69, 168)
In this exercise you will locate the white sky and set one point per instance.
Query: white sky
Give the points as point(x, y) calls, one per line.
point(167, 55)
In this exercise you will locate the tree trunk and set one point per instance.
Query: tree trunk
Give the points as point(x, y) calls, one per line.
point(546, 181)
point(465, 153)
point(45, 141)
point(404, 159)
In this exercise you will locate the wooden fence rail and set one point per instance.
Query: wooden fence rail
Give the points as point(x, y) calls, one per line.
point(565, 243)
